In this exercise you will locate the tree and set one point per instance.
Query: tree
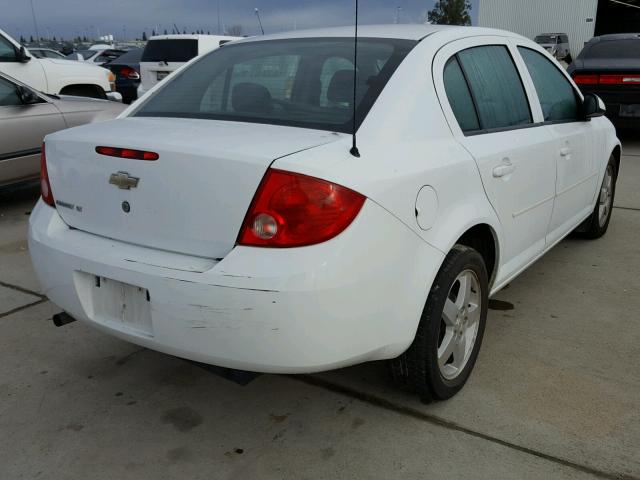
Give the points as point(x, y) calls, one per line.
point(235, 30)
point(23, 40)
point(451, 12)
point(165, 32)
point(144, 36)
point(31, 39)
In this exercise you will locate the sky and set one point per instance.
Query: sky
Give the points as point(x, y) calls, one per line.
point(128, 18)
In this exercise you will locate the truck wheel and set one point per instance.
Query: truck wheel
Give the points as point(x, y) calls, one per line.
point(91, 91)
point(444, 351)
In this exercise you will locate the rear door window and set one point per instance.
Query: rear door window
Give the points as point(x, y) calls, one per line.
point(7, 52)
point(496, 87)
point(557, 97)
point(460, 97)
point(170, 51)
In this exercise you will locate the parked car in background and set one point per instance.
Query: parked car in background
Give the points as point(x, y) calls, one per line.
point(230, 218)
point(164, 54)
point(96, 57)
point(26, 116)
point(53, 76)
point(609, 66)
point(46, 53)
point(126, 68)
point(557, 44)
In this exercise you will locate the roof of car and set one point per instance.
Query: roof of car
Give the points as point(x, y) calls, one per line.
point(185, 36)
point(401, 31)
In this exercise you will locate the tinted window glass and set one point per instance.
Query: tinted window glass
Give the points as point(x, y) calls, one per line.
point(132, 56)
point(629, 48)
point(7, 52)
point(496, 86)
point(556, 94)
point(8, 94)
point(301, 82)
point(546, 39)
point(170, 51)
point(460, 97)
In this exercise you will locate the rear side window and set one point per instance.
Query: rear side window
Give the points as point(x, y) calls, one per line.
point(556, 94)
point(170, 51)
point(460, 97)
point(500, 98)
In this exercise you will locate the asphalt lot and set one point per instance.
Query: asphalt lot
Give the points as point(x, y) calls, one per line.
point(555, 393)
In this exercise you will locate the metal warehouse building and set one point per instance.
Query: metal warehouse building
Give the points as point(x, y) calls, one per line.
point(580, 19)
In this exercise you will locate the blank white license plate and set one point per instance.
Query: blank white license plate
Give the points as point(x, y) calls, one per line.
point(162, 75)
point(632, 110)
point(121, 303)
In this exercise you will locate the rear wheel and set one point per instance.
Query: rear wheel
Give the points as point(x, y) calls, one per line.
point(597, 224)
point(444, 351)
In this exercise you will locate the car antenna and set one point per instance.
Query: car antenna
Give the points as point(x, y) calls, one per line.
point(354, 148)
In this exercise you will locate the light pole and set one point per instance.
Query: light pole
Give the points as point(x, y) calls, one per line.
point(35, 24)
point(398, 11)
point(218, 17)
point(259, 20)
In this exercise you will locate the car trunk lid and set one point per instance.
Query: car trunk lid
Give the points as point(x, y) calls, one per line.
point(191, 200)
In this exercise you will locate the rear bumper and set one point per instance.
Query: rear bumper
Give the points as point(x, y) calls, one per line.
point(355, 298)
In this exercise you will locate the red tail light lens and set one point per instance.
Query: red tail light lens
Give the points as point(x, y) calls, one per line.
point(586, 79)
point(609, 79)
point(294, 210)
point(127, 153)
point(620, 79)
point(130, 73)
point(45, 185)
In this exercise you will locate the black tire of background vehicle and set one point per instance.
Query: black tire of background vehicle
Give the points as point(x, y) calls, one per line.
point(591, 228)
point(90, 91)
point(416, 370)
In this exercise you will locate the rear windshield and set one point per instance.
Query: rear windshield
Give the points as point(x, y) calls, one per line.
point(170, 51)
point(547, 39)
point(297, 82)
point(628, 48)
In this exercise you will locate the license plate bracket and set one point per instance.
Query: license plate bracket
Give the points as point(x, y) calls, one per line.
point(127, 306)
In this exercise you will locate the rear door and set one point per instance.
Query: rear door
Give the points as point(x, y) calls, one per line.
point(22, 128)
point(575, 139)
point(163, 56)
point(490, 111)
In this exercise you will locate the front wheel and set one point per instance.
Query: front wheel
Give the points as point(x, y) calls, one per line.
point(597, 224)
point(444, 351)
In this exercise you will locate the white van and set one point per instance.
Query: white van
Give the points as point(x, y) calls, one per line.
point(164, 54)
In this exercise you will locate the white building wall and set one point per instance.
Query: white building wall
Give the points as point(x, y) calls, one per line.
point(533, 17)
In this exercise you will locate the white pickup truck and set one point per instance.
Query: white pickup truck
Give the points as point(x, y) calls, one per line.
point(54, 76)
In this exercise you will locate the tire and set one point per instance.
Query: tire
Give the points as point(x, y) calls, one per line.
point(598, 222)
point(90, 91)
point(418, 369)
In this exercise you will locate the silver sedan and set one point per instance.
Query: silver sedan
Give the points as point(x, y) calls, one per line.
point(27, 116)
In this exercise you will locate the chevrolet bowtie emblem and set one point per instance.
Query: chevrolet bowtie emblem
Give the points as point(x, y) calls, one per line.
point(123, 181)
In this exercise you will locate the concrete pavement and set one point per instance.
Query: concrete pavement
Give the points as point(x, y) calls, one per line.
point(554, 394)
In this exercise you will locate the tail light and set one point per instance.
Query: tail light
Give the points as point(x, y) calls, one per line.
point(129, 73)
point(45, 185)
point(294, 210)
point(586, 79)
point(609, 79)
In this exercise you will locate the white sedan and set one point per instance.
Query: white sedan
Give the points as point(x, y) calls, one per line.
point(226, 218)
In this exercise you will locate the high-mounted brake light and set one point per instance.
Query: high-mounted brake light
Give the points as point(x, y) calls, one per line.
point(127, 153)
point(295, 210)
point(45, 185)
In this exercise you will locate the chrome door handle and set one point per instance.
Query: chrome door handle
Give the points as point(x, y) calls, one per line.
point(565, 152)
point(505, 169)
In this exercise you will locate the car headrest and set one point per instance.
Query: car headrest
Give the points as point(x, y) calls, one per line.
point(251, 98)
point(341, 87)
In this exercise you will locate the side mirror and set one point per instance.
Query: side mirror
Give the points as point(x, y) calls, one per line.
point(22, 55)
point(28, 96)
point(593, 106)
point(114, 97)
